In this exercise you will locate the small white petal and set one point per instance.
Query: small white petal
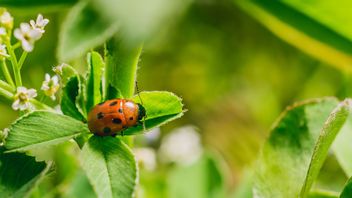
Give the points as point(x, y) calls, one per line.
point(32, 93)
point(21, 89)
point(47, 77)
point(55, 80)
point(28, 47)
point(15, 105)
point(18, 34)
point(35, 34)
point(25, 27)
point(32, 22)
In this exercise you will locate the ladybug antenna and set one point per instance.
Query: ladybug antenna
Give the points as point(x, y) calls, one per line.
point(139, 96)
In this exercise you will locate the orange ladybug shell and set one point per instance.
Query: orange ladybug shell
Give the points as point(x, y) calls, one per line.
point(113, 116)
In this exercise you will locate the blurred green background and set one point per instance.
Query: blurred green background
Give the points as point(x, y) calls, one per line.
point(234, 75)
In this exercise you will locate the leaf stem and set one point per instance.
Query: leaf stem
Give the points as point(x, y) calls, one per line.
point(21, 61)
point(14, 63)
point(6, 73)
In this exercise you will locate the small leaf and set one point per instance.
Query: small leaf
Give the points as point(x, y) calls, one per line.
point(121, 67)
point(19, 174)
point(110, 167)
point(84, 28)
point(347, 190)
point(323, 194)
point(95, 69)
point(283, 165)
point(332, 126)
point(67, 73)
point(68, 99)
point(81, 99)
point(41, 128)
point(161, 107)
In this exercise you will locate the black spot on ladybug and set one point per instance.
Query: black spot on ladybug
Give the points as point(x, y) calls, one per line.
point(120, 110)
point(100, 115)
point(107, 130)
point(131, 118)
point(113, 103)
point(101, 103)
point(116, 121)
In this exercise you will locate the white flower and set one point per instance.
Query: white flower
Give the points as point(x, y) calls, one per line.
point(182, 146)
point(40, 23)
point(2, 31)
point(27, 36)
point(50, 86)
point(3, 135)
point(3, 52)
point(22, 98)
point(146, 158)
point(58, 69)
point(6, 20)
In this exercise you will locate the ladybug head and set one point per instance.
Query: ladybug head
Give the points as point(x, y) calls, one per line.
point(141, 112)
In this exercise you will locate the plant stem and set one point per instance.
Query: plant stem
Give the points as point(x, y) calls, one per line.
point(6, 94)
point(6, 73)
point(15, 68)
point(41, 106)
point(17, 45)
point(21, 61)
point(6, 86)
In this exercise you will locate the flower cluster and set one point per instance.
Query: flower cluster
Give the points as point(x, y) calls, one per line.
point(28, 34)
point(6, 25)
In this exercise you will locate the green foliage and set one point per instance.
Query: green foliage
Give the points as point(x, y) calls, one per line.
point(68, 99)
point(83, 29)
point(110, 167)
point(331, 127)
point(290, 147)
point(310, 25)
point(35, 3)
point(161, 107)
point(19, 174)
point(121, 68)
point(347, 191)
point(42, 128)
point(204, 175)
point(94, 85)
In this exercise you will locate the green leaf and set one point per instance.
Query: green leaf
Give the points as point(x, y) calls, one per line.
point(110, 167)
point(332, 126)
point(41, 128)
point(140, 19)
point(342, 147)
point(323, 194)
point(161, 107)
point(19, 174)
point(204, 175)
point(95, 69)
point(347, 190)
point(68, 99)
point(83, 29)
point(121, 67)
point(284, 161)
point(66, 73)
point(316, 27)
point(35, 3)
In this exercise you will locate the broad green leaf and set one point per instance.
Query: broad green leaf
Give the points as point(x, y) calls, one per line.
point(342, 147)
point(110, 167)
point(140, 19)
point(19, 174)
point(84, 28)
point(323, 194)
point(283, 165)
point(121, 67)
point(161, 107)
point(41, 128)
point(35, 3)
point(200, 179)
point(331, 128)
point(81, 99)
point(68, 99)
point(95, 69)
point(316, 27)
point(80, 187)
point(347, 190)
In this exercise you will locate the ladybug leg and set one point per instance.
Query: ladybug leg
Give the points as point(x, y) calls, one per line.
point(122, 134)
point(113, 135)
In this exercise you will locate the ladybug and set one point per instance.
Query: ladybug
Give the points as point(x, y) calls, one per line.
point(113, 116)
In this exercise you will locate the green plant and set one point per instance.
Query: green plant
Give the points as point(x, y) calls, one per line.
point(107, 162)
